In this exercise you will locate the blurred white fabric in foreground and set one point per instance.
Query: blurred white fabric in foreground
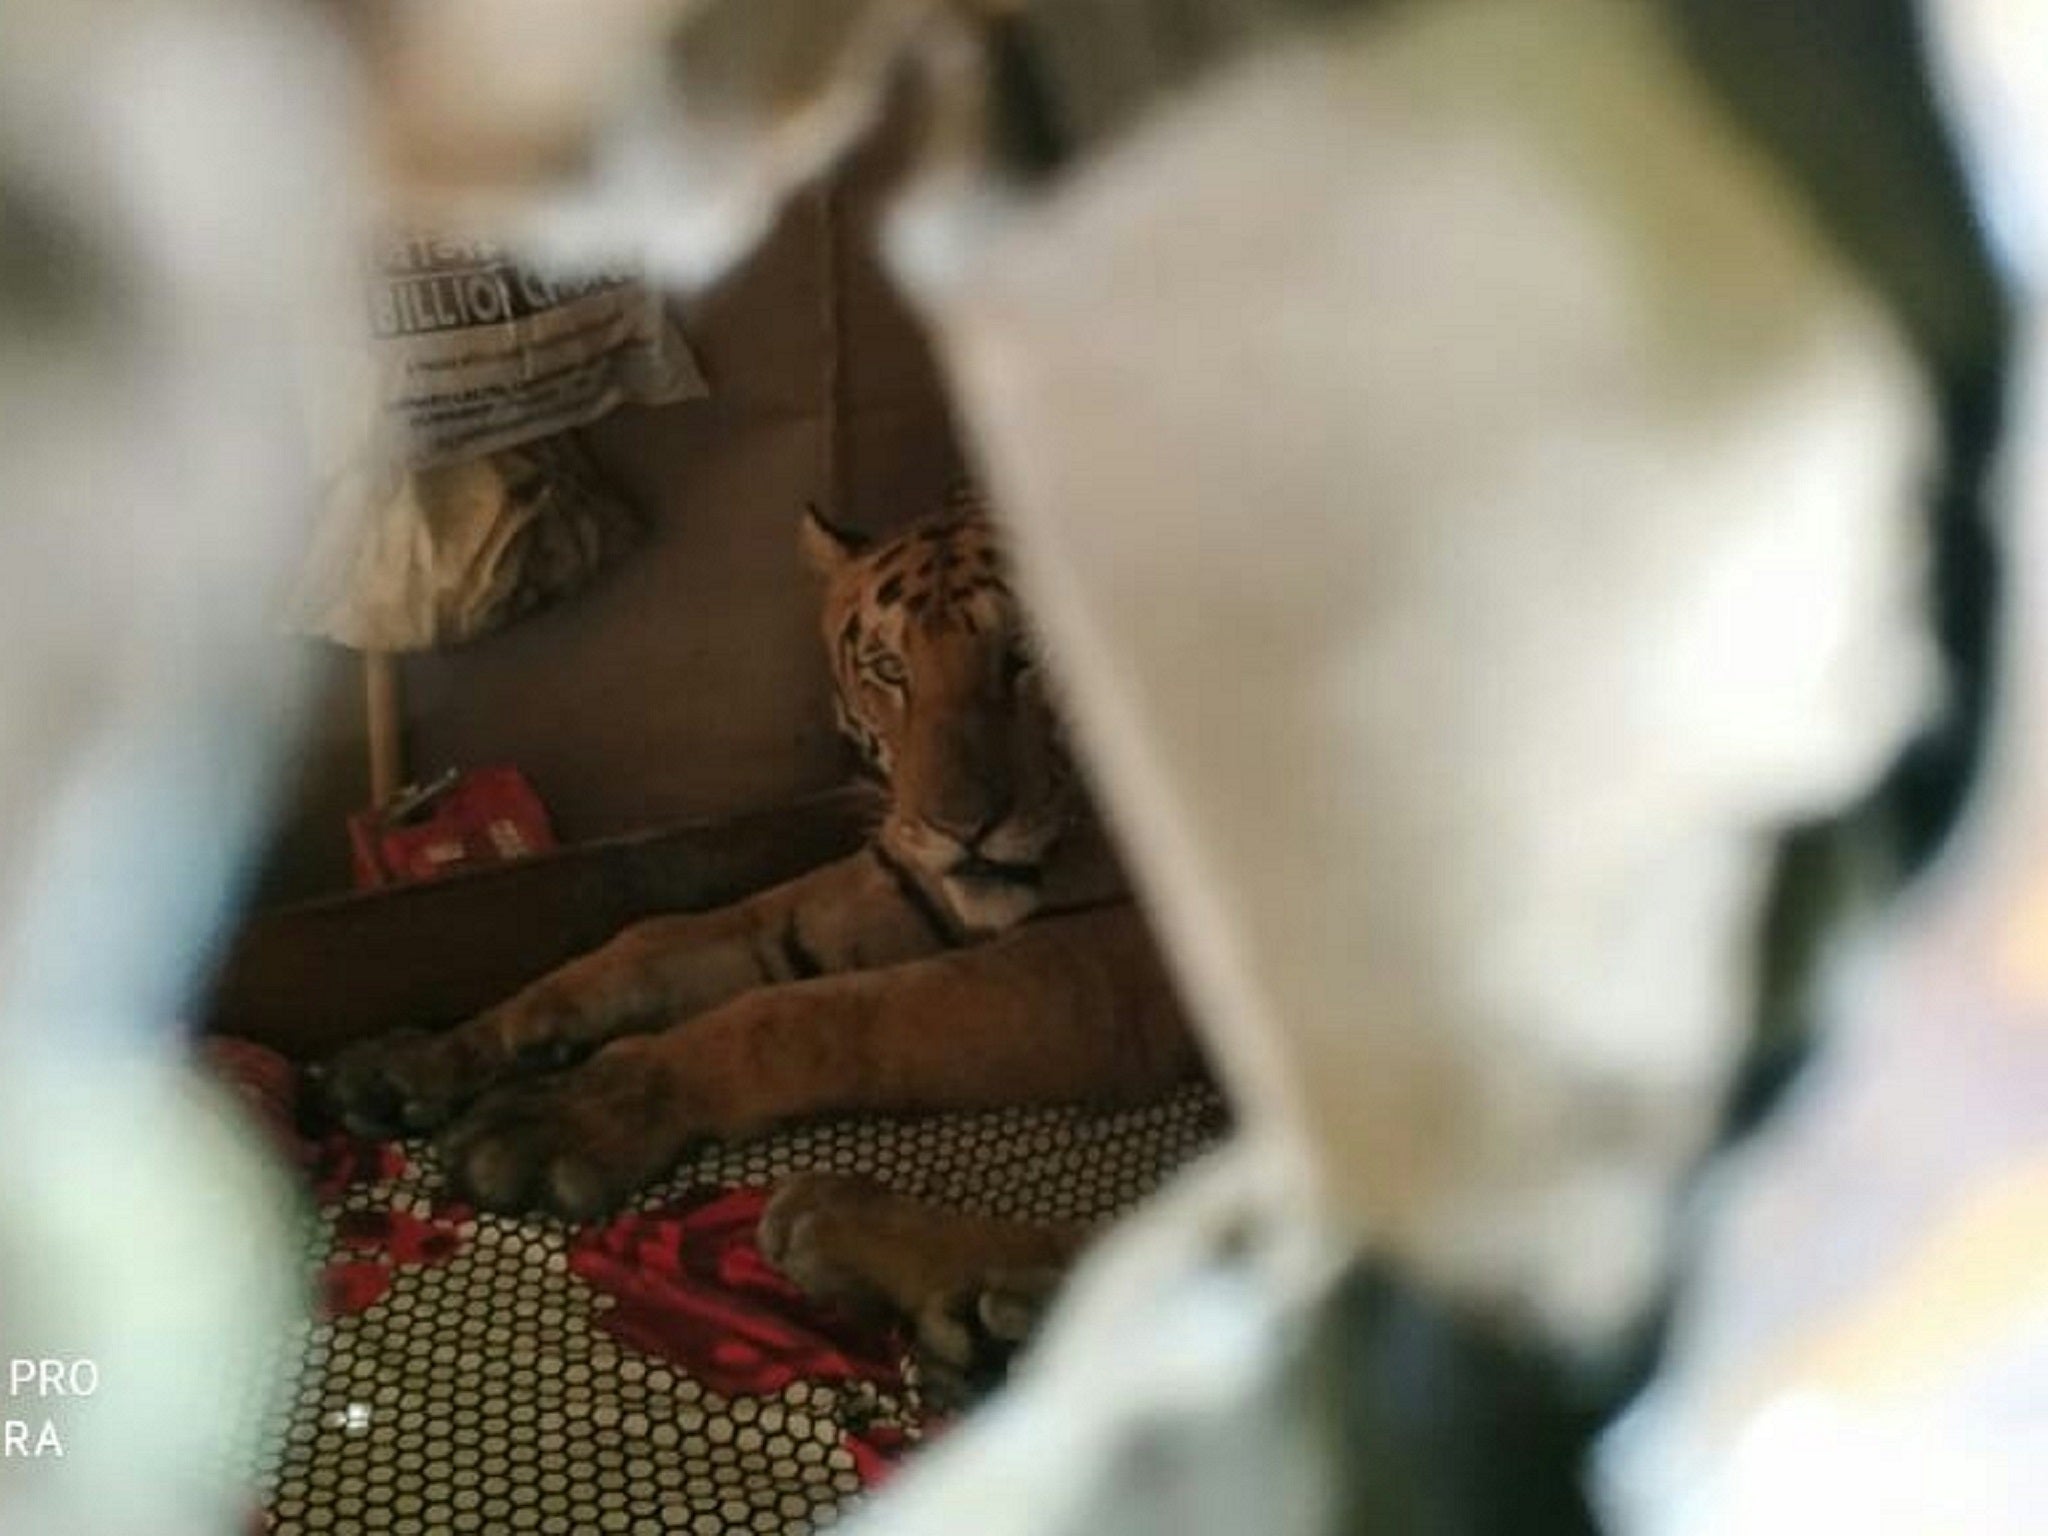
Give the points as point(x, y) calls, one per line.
point(173, 186)
point(1866, 1347)
point(1469, 534)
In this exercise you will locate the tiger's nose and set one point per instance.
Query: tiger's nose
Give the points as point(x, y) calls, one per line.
point(968, 832)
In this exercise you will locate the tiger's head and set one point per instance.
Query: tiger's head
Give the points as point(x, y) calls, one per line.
point(936, 686)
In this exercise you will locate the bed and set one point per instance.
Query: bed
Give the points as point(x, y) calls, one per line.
point(466, 1372)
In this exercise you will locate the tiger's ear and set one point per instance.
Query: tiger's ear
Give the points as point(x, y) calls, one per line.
point(827, 546)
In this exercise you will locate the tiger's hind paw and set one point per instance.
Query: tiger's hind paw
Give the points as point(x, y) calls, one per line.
point(971, 1288)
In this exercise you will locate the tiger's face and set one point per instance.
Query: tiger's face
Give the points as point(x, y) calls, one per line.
point(935, 685)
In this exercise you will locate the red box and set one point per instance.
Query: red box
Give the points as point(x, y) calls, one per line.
point(460, 821)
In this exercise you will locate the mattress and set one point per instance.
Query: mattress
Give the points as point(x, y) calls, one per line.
point(465, 1372)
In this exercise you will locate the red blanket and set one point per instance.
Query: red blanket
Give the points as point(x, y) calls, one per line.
point(655, 1367)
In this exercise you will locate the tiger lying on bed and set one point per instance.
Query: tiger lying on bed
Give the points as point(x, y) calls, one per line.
point(980, 952)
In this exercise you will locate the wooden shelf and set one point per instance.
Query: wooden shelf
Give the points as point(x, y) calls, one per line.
point(308, 978)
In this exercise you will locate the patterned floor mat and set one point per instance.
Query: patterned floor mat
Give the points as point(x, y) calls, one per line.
point(653, 1375)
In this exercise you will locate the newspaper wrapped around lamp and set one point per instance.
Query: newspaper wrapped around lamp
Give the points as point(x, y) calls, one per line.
point(459, 498)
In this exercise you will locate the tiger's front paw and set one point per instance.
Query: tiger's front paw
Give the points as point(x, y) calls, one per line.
point(577, 1144)
point(401, 1083)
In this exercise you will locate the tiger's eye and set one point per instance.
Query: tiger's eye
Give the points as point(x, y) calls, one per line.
point(888, 669)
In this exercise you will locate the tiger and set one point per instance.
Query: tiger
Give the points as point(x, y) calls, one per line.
point(981, 950)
